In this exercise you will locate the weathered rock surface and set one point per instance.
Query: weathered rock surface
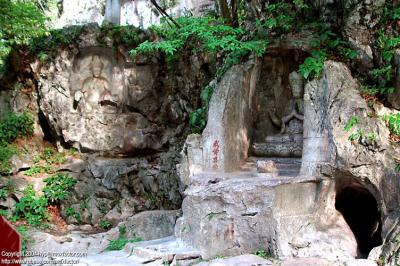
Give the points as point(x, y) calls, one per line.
point(245, 214)
point(238, 261)
point(149, 225)
point(115, 189)
point(140, 13)
point(342, 196)
point(97, 100)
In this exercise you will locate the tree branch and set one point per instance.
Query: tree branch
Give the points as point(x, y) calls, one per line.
point(164, 13)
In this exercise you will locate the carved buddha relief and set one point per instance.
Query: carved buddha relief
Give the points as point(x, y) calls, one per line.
point(93, 90)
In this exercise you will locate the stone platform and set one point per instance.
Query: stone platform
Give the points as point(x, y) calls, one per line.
point(227, 214)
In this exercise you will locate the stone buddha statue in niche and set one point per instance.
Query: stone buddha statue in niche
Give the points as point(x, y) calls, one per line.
point(96, 91)
point(292, 123)
point(297, 106)
point(289, 142)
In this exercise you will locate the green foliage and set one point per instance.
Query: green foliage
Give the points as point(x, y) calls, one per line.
point(280, 17)
point(387, 45)
point(32, 207)
point(262, 253)
point(127, 35)
point(393, 122)
point(352, 121)
point(210, 216)
point(397, 169)
point(20, 21)
point(376, 90)
point(104, 224)
point(84, 205)
point(380, 81)
point(14, 125)
point(3, 193)
point(371, 136)
point(6, 152)
point(198, 118)
point(47, 44)
point(58, 187)
point(26, 238)
point(39, 169)
point(327, 44)
point(357, 135)
point(210, 34)
point(396, 13)
point(48, 154)
point(71, 212)
point(120, 243)
point(313, 65)
point(5, 213)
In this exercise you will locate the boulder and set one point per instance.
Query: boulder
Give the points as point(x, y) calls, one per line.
point(150, 225)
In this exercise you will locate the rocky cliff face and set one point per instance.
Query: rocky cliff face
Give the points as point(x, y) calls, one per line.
point(128, 118)
point(278, 166)
point(343, 186)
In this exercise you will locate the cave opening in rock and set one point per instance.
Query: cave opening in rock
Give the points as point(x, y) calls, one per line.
point(360, 210)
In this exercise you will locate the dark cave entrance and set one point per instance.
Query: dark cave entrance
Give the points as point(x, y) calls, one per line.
point(360, 210)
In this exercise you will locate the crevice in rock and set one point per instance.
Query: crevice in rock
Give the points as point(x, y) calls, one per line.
point(47, 131)
point(360, 210)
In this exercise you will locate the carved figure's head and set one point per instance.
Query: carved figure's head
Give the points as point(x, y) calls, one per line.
point(296, 84)
point(97, 66)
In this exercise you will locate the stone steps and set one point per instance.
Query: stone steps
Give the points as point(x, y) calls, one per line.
point(286, 166)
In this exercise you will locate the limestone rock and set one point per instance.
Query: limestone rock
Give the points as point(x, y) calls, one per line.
point(266, 167)
point(246, 259)
point(150, 225)
point(109, 170)
point(19, 162)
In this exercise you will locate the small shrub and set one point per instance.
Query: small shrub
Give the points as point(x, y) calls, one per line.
point(48, 154)
point(32, 207)
point(198, 120)
point(263, 253)
point(26, 238)
point(313, 65)
point(371, 137)
point(120, 243)
point(5, 213)
point(208, 33)
point(104, 224)
point(396, 13)
point(393, 122)
point(356, 136)
point(352, 121)
point(6, 152)
point(58, 187)
point(71, 212)
point(3, 193)
point(15, 125)
point(39, 169)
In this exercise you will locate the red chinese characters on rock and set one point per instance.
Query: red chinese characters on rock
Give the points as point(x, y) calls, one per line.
point(215, 152)
point(10, 243)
